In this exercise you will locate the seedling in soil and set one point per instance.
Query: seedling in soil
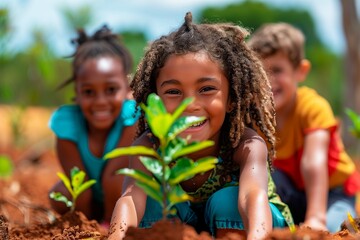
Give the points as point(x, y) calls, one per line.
point(6, 167)
point(353, 224)
point(169, 165)
point(75, 186)
point(292, 228)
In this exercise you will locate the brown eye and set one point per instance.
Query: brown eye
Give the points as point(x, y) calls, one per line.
point(112, 90)
point(172, 91)
point(207, 89)
point(87, 92)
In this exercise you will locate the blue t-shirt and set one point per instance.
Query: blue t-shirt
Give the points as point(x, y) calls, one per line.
point(68, 123)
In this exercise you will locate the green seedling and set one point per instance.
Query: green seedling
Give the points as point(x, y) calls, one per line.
point(6, 167)
point(292, 228)
point(355, 119)
point(353, 223)
point(169, 165)
point(75, 186)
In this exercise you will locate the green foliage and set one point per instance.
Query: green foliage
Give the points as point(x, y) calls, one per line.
point(4, 30)
point(75, 186)
point(355, 120)
point(6, 167)
point(79, 17)
point(135, 42)
point(169, 165)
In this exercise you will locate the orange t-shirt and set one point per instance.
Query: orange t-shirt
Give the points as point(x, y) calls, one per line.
point(312, 112)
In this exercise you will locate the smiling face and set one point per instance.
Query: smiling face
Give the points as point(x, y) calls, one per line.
point(101, 87)
point(195, 75)
point(284, 79)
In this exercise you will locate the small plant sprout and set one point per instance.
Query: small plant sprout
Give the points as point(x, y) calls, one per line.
point(169, 165)
point(292, 228)
point(355, 119)
point(6, 167)
point(353, 223)
point(75, 186)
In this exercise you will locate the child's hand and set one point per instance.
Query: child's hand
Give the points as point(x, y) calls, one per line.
point(315, 223)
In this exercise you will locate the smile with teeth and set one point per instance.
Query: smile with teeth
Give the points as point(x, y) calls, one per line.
point(198, 124)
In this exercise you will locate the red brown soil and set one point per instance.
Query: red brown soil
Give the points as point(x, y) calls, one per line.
point(25, 211)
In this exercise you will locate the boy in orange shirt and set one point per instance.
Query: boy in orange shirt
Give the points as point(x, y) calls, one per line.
point(312, 172)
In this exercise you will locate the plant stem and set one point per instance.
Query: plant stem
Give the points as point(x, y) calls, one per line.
point(163, 180)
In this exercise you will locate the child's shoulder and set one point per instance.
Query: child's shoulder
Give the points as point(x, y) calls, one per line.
point(250, 134)
point(309, 99)
point(64, 121)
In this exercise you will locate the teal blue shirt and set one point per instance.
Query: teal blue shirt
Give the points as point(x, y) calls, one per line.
point(68, 123)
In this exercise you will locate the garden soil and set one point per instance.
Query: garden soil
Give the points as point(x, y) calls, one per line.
point(25, 211)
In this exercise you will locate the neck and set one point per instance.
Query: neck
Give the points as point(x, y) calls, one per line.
point(282, 114)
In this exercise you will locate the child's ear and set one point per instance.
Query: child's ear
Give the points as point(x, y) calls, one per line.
point(303, 69)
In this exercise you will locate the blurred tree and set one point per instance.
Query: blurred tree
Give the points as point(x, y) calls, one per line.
point(135, 42)
point(351, 26)
point(4, 30)
point(326, 67)
point(77, 18)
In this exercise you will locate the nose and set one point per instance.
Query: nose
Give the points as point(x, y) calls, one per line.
point(194, 105)
point(100, 98)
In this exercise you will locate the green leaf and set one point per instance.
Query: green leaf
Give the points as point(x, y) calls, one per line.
point(177, 195)
point(185, 168)
point(140, 177)
point(133, 150)
point(74, 171)
point(6, 167)
point(153, 165)
point(66, 182)
point(84, 186)
point(172, 147)
point(57, 196)
point(153, 193)
point(155, 104)
point(355, 119)
point(77, 179)
point(182, 124)
point(160, 125)
point(193, 147)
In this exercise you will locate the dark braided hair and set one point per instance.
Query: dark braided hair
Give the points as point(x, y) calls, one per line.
point(102, 43)
point(250, 94)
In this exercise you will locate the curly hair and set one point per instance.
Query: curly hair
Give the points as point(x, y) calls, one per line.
point(250, 94)
point(102, 43)
point(272, 38)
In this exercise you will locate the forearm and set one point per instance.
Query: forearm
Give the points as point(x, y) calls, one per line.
point(316, 188)
point(256, 215)
point(124, 216)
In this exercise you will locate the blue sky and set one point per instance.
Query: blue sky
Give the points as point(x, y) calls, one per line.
point(156, 17)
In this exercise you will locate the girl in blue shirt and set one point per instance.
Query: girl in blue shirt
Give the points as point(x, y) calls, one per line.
point(102, 118)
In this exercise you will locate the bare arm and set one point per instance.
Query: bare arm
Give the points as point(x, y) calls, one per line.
point(253, 184)
point(70, 157)
point(314, 169)
point(111, 181)
point(130, 208)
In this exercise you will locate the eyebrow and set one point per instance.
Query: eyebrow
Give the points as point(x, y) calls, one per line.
point(200, 80)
